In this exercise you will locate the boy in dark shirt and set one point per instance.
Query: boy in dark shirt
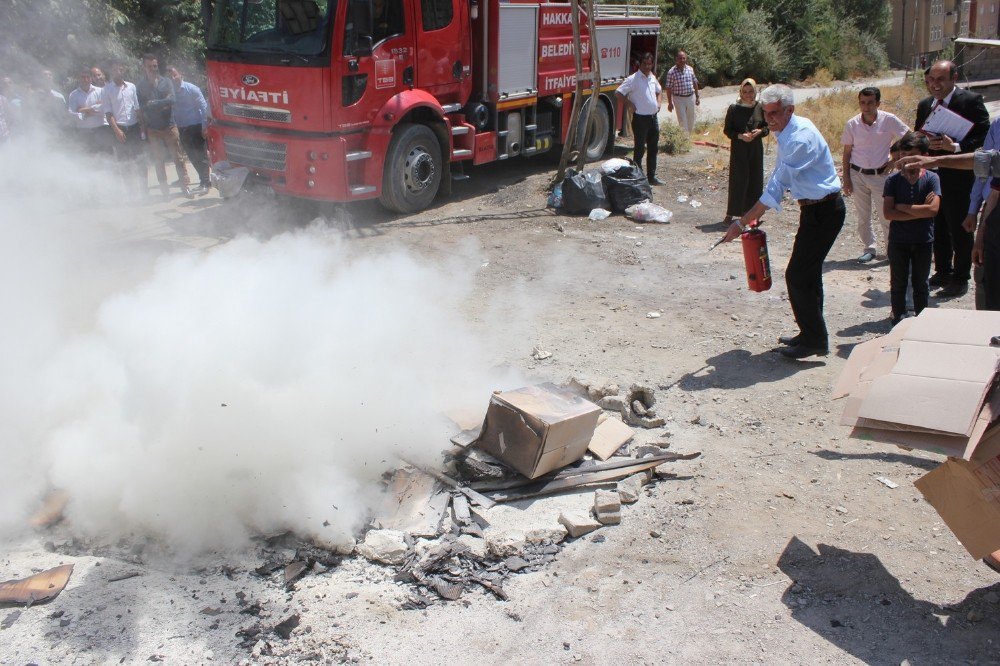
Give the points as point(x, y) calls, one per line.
point(910, 201)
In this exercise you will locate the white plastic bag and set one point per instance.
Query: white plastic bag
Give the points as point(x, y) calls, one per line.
point(599, 214)
point(612, 165)
point(648, 211)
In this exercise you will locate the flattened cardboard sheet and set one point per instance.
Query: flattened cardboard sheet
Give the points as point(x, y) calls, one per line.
point(36, 589)
point(609, 436)
point(966, 494)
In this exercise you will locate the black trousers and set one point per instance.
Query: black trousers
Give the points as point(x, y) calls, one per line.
point(646, 133)
point(194, 146)
point(819, 225)
point(953, 244)
point(909, 264)
point(991, 261)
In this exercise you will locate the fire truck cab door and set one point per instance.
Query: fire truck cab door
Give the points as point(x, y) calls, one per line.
point(372, 75)
point(444, 49)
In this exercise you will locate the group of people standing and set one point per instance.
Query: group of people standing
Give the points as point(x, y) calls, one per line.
point(923, 216)
point(640, 93)
point(164, 116)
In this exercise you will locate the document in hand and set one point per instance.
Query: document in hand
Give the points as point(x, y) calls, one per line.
point(945, 121)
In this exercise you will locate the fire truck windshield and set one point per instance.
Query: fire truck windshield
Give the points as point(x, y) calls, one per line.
point(299, 27)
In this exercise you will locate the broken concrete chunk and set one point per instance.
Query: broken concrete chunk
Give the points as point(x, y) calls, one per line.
point(39, 588)
point(476, 546)
point(607, 507)
point(602, 390)
point(578, 523)
point(506, 543)
point(637, 409)
point(609, 517)
point(629, 489)
point(612, 403)
point(385, 546)
point(606, 500)
point(554, 534)
point(643, 394)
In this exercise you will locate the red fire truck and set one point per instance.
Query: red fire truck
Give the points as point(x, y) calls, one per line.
point(342, 100)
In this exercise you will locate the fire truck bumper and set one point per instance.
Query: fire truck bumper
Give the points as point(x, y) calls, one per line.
point(325, 168)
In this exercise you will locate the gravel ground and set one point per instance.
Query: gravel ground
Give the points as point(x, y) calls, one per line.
point(781, 547)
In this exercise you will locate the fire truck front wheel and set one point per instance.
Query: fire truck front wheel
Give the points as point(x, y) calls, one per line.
point(412, 173)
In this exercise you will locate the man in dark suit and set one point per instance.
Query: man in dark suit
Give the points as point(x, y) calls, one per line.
point(952, 243)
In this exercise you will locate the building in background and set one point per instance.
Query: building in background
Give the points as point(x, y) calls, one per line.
point(921, 29)
point(984, 19)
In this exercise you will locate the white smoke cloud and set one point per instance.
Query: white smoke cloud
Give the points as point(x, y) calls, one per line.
point(263, 385)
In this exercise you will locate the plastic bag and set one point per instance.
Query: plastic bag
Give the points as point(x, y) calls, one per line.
point(555, 197)
point(648, 211)
point(627, 186)
point(583, 192)
point(599, 214)
point(228, 179)
point(612, 165)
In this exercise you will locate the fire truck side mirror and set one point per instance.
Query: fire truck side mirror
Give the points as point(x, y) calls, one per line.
point(363, 47)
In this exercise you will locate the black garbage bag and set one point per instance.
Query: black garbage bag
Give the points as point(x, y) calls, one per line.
point(583, 192)
point(627, 186)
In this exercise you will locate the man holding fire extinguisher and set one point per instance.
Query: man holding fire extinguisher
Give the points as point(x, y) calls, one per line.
point(805, 168)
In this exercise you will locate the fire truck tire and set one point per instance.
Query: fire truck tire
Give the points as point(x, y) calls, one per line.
point(600, 130)
point(412, 173)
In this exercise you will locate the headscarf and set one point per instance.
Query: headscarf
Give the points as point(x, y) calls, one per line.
point(739, 95)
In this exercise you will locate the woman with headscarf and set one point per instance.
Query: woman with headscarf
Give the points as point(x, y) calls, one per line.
point(746, 128)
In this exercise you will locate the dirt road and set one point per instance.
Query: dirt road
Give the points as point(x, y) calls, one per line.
point(782, 547)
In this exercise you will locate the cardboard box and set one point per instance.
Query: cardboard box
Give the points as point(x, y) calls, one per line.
point(537, 429)
point(966, 494)
point(926, 385)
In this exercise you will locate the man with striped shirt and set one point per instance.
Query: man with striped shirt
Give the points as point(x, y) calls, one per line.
point(682, 91)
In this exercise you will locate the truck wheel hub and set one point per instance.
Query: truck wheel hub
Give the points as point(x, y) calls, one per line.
point(419, 170)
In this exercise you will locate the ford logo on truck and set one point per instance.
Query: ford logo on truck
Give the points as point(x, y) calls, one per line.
point(250, 80)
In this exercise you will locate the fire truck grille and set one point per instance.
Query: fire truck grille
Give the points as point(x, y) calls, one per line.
point(257, 113)
point(257, 154)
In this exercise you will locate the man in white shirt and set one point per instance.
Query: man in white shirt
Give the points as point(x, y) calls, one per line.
point(640, 93)
point(87, 114)
point(120, 103)
point(866, 140)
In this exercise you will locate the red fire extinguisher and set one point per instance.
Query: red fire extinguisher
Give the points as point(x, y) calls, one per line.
point(754, 242)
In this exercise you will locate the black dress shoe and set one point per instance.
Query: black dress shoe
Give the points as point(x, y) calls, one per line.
point(656, 181)
point(790, 340)
point(955, 289)
point(939, 280)
point(802, 351)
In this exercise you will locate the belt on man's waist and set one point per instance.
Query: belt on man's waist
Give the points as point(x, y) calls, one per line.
point(870, 172)
point(644, 115)
point(810, 202)
point(681, 94)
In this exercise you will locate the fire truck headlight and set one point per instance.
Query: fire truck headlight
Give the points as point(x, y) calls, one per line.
point(312, 154)
point(311, 169)
point(311, 183)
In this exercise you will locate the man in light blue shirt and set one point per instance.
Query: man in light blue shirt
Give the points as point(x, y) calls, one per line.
point(806, 169)
point(191, 117)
